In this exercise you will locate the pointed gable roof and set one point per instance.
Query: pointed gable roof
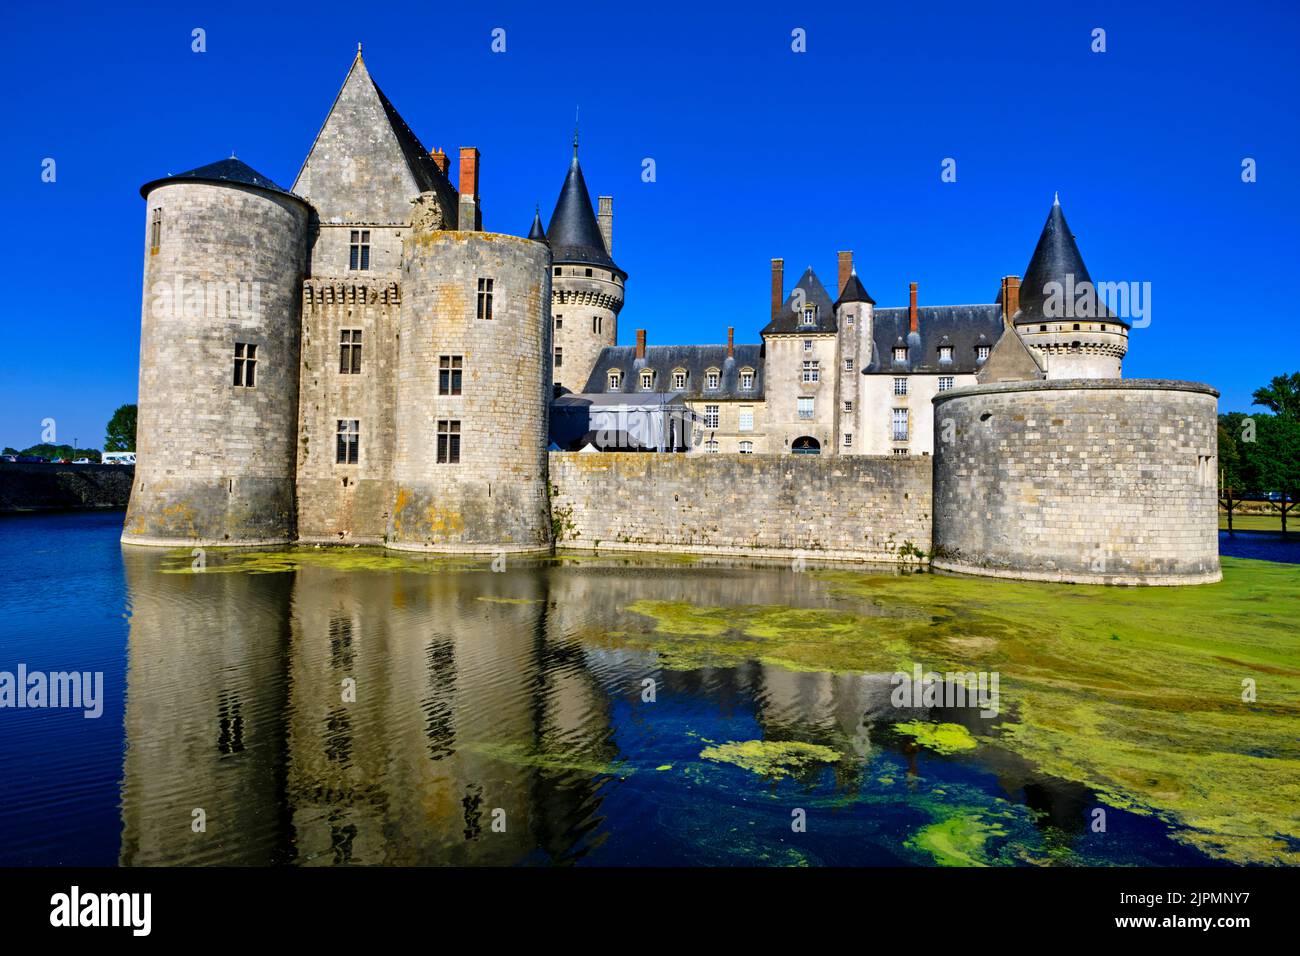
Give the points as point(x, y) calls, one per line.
point(1055, 257)
point(537, 233)
point(573, 233)
point(366, 164)
point(788, 322)
point(854, 291)
point(1010, 360)
point(229, 170)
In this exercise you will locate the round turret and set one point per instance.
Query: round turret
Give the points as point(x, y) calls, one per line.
point(224, 255)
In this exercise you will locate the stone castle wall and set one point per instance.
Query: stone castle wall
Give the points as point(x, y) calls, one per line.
point(855, 508)
point(1096, 481)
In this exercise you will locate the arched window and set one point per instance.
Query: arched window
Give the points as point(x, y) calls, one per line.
point(615, 379)
point(647, 380)
point(807, 445)
point(679, 380)
point(712, 378)
point(746, 379)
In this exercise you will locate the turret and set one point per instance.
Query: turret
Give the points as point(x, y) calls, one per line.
point(225, 249)
point(587, 286)
point(1062, 316)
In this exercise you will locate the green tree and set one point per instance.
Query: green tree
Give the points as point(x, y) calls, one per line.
point(120, 435)
point(1280, 396)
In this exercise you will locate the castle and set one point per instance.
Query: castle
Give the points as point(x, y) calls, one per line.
point(355, 360)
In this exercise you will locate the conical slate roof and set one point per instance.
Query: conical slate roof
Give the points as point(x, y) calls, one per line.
point(537, 233)
point(854, 291)
point(573, 233)
point(223, 171)
point(1056, 257)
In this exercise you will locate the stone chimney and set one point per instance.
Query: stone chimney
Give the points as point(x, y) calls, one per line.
point(640, 343)
point(1010, 297)
point(470, 219)
point(439, 159)
point(605, 217)
point(731, 341)
point(778, 285)
point(846, 270)
point(912, 325)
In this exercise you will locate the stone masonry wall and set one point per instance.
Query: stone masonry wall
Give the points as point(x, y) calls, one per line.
point(823, 506)
point(1099, 481)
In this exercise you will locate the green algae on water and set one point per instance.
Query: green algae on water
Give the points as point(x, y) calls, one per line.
point(283, 560)
point(941, 738)
point(958, 840)
point(771, 758)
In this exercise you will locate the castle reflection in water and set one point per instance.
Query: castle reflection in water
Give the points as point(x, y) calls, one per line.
point(475, 691)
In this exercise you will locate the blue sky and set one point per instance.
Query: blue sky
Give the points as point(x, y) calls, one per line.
point(759, 151)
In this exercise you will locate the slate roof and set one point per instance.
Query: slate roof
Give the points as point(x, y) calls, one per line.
point(1055, 257)
point(964, 327)
point(426, 172)
point(573, 233)
point(537, 233)
point(787, 322)
point(854, 291)
point(223, 171)
point(695, 359)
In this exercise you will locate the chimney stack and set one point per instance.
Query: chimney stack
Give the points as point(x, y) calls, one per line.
point(731, 341)
point(1010, 297)
point(912, 325)
point(640, 343)
point(846, 269)
point(605, 218)
point(778, 285)
point(470, 220)
point(439, 159)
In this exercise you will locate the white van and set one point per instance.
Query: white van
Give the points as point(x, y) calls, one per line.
point(118, 458)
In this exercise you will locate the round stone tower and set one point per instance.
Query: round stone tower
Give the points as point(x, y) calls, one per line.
point(473, 395)
point(224, 254)
point(586, 287)
point(1062, 315)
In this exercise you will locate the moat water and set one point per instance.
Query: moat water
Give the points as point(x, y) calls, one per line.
point(329, 707)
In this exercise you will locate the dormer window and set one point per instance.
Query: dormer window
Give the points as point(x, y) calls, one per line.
point(615, 380)
point(679, 380)
point(945, 353)
point(900, 354)
point(711, 378)
point(810, 315)
point(746, 379)
point(981, 353)
point(647, 380)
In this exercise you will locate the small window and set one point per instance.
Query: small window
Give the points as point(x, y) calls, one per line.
point(811, 371)
point(711, 446)
point(350, 352)
point(588, 273)
point(347, 449)
point(747, 379)
point(900, 354)
point(848, 365)
point(945, 382)
point(557, 270)
point(155, 230)
point(899, 423)
point(810, 315)
point(712, 378)
point(485, 298)
point(597, 323)
point(747, 448)
point(359, 250)
point(450, 370)
point(945, 353)
point(448, 442)
point(615, 381)
point(245, 364)
point(559, 321)
point(712, 415)
point(848, 407)
point(647, 380)
point(807, 345)
point(1076, 326)
point(981, 353)
point(900, 386)
point(559, 357)
point(679, 380)
point(746, 418)
point(900, 451)
point(805, 405)
point(848, 439)
point(1042, 328)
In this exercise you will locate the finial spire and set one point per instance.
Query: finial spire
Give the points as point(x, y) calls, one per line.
point(576, 110)
point(358, 48)
point(1056, 199)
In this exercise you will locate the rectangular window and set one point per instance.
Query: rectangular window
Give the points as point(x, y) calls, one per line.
point(982, 353)
point(945, 353)
point(807, 345)
point(713, 378)
point(711, 446)
point(485, 298)
point(712, 414)
point(647, 380)
point(597, 323)
point(848, 407)
point(945, 382)
point(155, 230)
point(450, 369)
point(811, 371)
point(350, 352)
point(899, 423)
point(900, 451)
point(359, 250)
point(805, 407)
point(559, 321)
point(848, 439)
point(245, 364)
point(747, 448)
point(448, 442)
point(747, 380)
point(848, 365)
point(615, 381)
point(900, 386)
point(347, 449)
point(559, 357)
point(679, 381)
point(900, 354)
point(746, 418)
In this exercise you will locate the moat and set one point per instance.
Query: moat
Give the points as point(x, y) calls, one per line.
point(351, 706)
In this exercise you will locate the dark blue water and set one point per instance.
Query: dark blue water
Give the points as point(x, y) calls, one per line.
point(1260, 545)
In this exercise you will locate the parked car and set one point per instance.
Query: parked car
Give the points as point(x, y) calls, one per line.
point(82, 461)
point(119, 458)
point(9, 458)
point(1277, 496)
point(32, 460)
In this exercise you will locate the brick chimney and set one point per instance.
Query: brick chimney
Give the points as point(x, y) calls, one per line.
point(439, 159)
point(605, 219)
point(1010, 297)
point(778, 285)
point(469, 212)
point(731, 341)
point(912, 325)
point(846, 269)
point(640, 343)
